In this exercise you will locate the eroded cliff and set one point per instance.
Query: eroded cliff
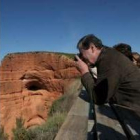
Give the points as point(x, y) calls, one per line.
point(29, 83)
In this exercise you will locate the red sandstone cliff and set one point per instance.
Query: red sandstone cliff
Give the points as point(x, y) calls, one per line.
point(29, 83)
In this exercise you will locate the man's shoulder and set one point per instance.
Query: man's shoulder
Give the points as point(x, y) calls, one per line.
point(111, 51)
point(110, 54)
point(112, 58)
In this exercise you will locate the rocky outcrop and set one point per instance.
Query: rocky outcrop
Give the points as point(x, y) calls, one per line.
point(29, 83)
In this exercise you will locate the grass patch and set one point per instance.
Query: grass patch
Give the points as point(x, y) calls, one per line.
point(48, 130)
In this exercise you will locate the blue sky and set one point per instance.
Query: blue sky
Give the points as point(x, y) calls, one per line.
point(57, 25)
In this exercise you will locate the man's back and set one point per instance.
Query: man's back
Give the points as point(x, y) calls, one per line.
point(122, 78)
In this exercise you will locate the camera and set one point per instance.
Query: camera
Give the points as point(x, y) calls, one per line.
point(79, 55)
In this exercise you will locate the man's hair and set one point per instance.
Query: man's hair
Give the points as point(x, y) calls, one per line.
point(124, 49)
point(84, 42)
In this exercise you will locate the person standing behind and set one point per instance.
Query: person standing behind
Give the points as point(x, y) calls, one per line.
point(124, 49)
point(136, 59)
point(118, 79)
point(127, 51)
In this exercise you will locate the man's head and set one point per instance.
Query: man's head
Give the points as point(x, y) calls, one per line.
point(124, 49)
point(89, 47)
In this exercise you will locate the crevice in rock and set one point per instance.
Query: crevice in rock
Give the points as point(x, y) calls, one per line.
point(34, 86)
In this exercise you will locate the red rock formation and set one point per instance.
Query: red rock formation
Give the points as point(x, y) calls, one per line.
point(30, 82)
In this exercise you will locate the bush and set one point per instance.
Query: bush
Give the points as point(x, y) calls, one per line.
point(20, 133)
point(48, 130)
point(3, 136)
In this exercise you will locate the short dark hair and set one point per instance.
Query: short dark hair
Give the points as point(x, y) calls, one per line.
point(124, 49)
point(85, 41)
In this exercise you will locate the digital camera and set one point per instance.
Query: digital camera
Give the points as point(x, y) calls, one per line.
point(79, 55)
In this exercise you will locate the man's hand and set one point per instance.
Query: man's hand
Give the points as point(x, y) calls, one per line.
point(81, 65)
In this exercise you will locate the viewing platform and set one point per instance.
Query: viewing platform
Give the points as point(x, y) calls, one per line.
point(105, 122)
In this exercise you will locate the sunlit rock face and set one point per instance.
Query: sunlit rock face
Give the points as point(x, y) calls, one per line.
point(29, 83)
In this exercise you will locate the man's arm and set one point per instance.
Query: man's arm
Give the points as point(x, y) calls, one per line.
point(105, 87)
point(89, 82)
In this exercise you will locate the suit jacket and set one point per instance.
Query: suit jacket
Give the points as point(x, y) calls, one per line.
point(118, 80)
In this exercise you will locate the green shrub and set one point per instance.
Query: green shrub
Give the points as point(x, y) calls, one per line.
point(48, 130)
point(20, 133)
point(3, 136)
